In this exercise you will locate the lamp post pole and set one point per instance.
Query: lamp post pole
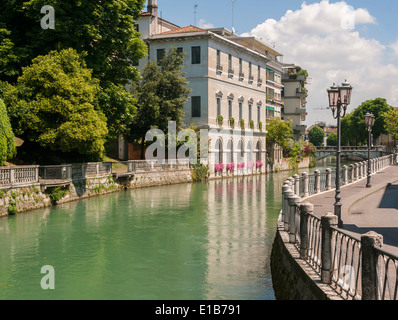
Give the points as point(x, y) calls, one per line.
point(339, 99)
point(337, 204)
point(369, 121)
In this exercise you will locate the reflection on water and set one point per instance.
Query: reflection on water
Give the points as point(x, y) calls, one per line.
point(188, 241)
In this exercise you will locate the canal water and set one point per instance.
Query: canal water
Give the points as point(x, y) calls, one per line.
point(197, 241)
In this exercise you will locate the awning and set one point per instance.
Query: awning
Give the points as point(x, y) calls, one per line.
point(270, 108)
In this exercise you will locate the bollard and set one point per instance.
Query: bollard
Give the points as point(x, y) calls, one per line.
point(285, 188)
point(327, 221)
point(370, 241)
point(306, 208)
point(296, 184)
point(294, 201)
point(345, 175)
point(328, 179)
point(305, 182)
point(289, 193)
point(356, 171)
point(352, 173)
point(317, 186)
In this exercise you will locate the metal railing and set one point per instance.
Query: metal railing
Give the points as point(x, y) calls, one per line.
point(357, 268)
point(387, 274)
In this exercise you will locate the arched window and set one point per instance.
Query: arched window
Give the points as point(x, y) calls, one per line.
point(218, 151)
point(258, 151)
point(250, 150)
point(240, 150)
point(230, 150)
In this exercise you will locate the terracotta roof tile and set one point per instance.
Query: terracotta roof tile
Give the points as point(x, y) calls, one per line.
point(186, 29)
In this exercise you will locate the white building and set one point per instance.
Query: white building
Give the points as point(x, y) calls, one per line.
point(236, 84)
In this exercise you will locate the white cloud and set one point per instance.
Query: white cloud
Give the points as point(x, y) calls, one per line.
point(394, 47)
point(322, 38)
point(204, 24)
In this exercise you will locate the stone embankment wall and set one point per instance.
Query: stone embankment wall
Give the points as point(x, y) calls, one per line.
point(34, 196)
point(293, 278)
point(284, 165)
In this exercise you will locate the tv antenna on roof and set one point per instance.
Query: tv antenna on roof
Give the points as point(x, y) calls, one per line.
point(233, 27)
point(194, 12)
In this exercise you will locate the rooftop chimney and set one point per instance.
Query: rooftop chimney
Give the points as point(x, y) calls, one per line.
point(153, 7)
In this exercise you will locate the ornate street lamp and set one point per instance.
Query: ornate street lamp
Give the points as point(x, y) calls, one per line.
point(369, 122)
point(339, 99)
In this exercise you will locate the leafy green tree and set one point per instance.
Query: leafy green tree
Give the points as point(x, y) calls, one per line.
point(52, 108)
point(347, 136)
point(7, 140)
point(7, 57)
point(356, 128)
point(161, 94)
point(119, 107)
point(103, 29)
point(279, 132)
point(332, 139)
point(391, 122)
point(316, 136)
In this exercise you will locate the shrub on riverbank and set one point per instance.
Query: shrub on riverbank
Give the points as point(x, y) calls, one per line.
point(200, 172)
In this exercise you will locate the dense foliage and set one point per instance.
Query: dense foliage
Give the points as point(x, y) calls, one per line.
point(279, 132)
point(52, 107)
point(332, 139)
point(353, 127)
point(161, 95)
point(103, 29)
point(391, 122)
point(316, 136)
point(7, 143)
point(103, 33)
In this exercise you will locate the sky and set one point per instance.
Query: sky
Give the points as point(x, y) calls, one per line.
point(353, 40)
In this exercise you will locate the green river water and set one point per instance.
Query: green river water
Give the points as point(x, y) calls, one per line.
point(197, 241)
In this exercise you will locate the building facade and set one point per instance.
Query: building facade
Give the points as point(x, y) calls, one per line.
point(295, 99)
point(236, 85)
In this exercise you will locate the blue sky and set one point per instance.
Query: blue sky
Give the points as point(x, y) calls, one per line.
point(310, 34)
point(249, 13)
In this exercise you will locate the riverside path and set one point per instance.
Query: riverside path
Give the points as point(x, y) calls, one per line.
point(367, 209)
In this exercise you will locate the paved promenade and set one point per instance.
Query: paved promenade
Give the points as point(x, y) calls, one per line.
point(367, 209)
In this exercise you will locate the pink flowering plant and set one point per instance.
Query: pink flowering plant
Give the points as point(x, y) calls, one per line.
point(259, 164)
point(230, 167)
point(241, 165)
point(219, 167)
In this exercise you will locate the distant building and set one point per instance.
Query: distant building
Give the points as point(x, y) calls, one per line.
point(295, 94)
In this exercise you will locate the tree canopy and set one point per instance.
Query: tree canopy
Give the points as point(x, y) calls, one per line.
point(161, 96)
point(102, 32)
point(7, 140)
point(279, 132)
point(332, 139)
point(391, 122)
point(353, 125)
point(52, 107)
point(316, 136)
point(103, 29)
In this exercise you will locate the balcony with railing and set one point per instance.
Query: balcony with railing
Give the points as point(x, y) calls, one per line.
point(301, 92)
